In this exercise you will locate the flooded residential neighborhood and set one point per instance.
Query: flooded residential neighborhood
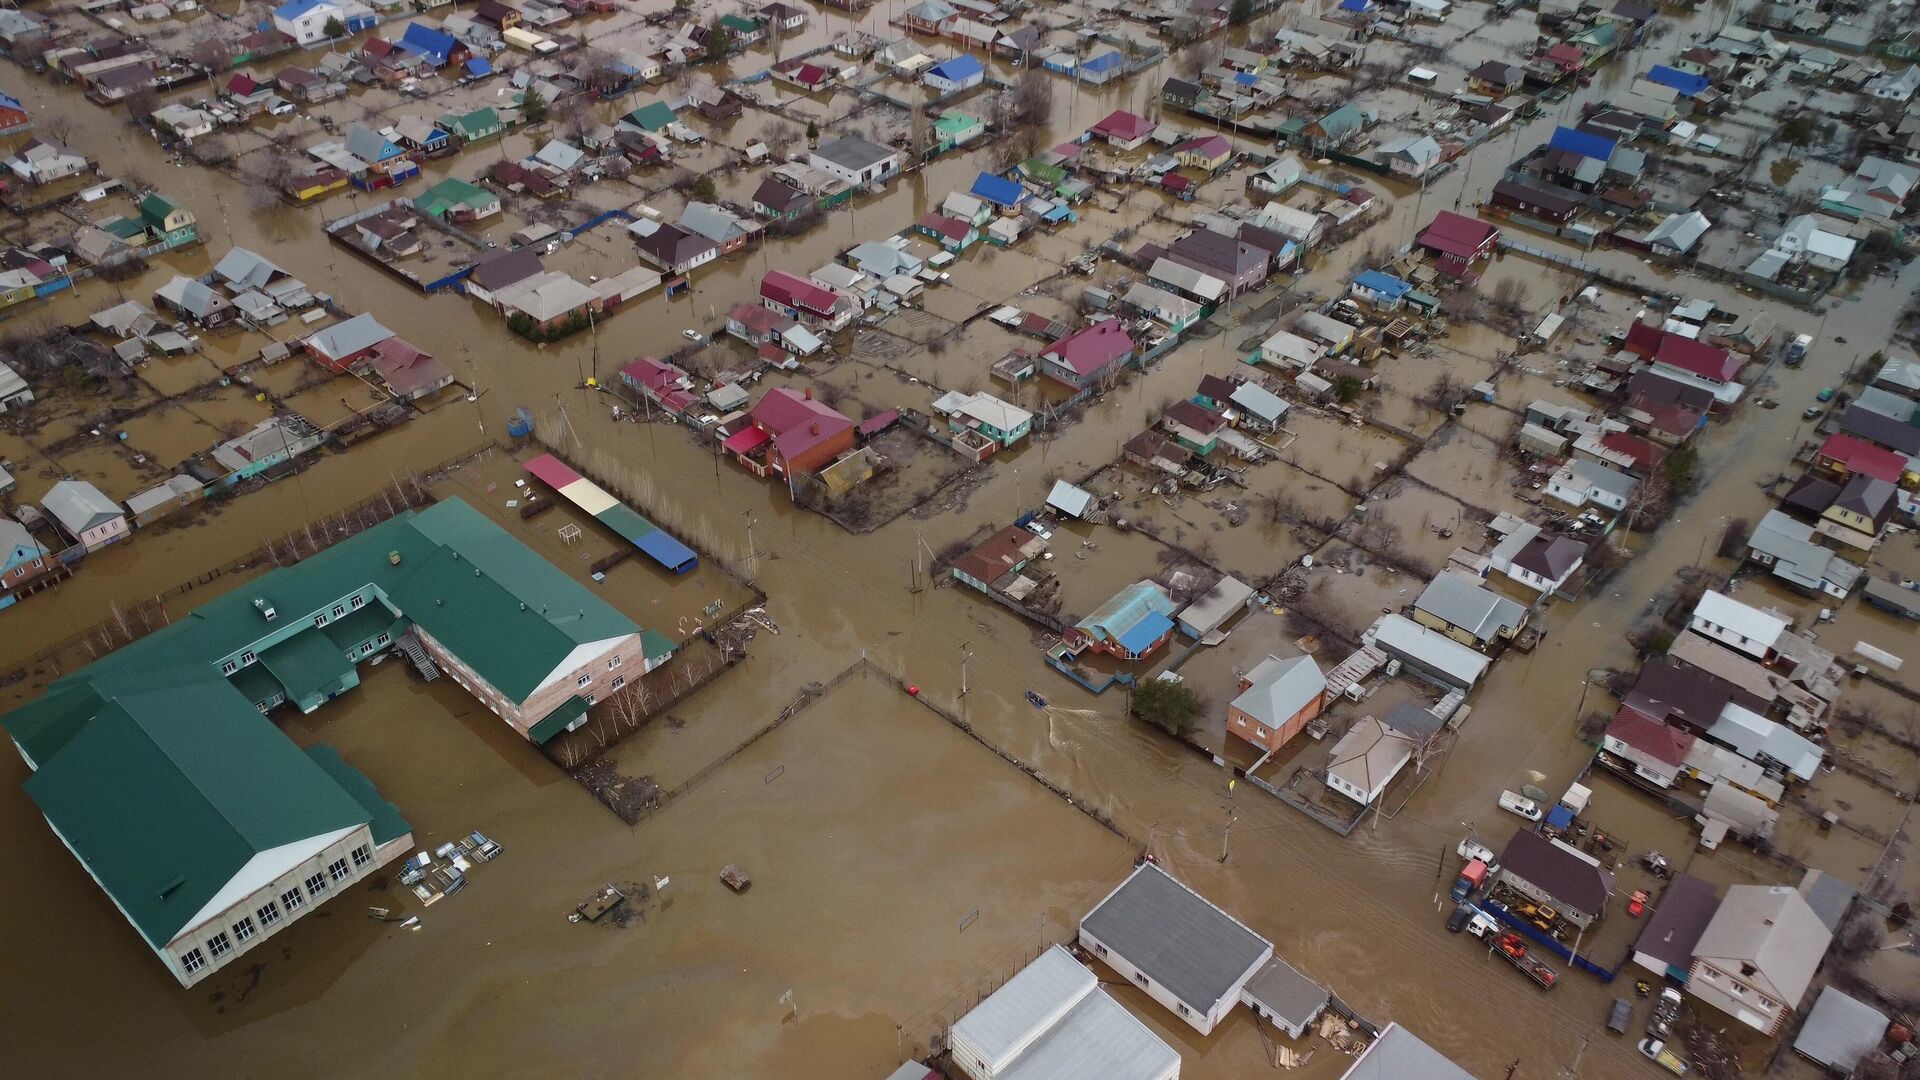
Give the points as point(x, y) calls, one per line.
point(978, 539)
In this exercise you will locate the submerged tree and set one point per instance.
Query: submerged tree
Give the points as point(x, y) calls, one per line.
point(1170, 706)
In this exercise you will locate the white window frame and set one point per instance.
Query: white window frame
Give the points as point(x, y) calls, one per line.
point(583, 679)
point(618, 682)
point(248, 657)
point(339, 611)
point(320, 619)
point(244, 929)
point(356, 602)
point(316, 884)
point(269, 913)
point(362, 855)
point(229, 667)
point(384, 639)
point(292, 900)
point(338, 870)
point(193, 960)
point(219, 945)
point(614, 661)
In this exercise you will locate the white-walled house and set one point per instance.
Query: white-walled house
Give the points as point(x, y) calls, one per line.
point(1170, 941)
point(1736, 625)
point(305, 21)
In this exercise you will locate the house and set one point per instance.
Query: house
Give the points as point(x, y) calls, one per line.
point(1335, 129)
point(995, 563)
point(475, 126)
point(784, 17)
point(998, 420)
point(1278, 176)
point(1458, 241)
point(1551, 872)
point(1052, 1019)
point(13, 115)
point(779, 201)
point(436, 48)
point(717, 224)
point(1651, 750)
point(1546, 203)
point(306, 21)
point(1677, 233)
point(1379, 289)
point(408, 373)
point(1758, 955)
point(1494, 77)
point(1581, 482)
point(999, 192)
point(22, 559)
point(550, 300)
point(1846, 456)
point(1289, 351)
point(1680, 916)
point(1242, 265)
point(962, 72)
point(191, 299)
point(1543, 562)
point(1426, 653)
point(1786, 547)
point(801, 436)
point(670, 247)
point(856, 161)
point(42, 161)
point(1469, 613)
point(1193, 426)
point(499, 270)
point(1188, 283)
point(1839, 1032)
point(1860, 513)
point(1884, 430)
point(1084, 358)
point(952, 234)
point(808, 301)
point(1739, 627)
point(954, 128)
point(1131, 624)
point(457, 201)
point(1209, 152)
point(1409, 156)
point(660, 381)
point(1805, 239)
point(1366, 760)
point(1187, 954)
point(1396, 1054)
point(1203, 619)
point(156, 758)
point(340, 346)
point(88, 517)
point(14, 391)
point(1277, 700)
point(1123, 130)
point(497, 14)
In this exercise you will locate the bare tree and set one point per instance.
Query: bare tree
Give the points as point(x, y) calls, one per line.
point(1199, 57)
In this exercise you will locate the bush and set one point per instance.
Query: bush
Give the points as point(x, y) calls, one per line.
point(1169, 706)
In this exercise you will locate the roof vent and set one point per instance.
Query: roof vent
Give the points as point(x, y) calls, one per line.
point(167, 890)
point(437, 602)
point(476, 571)
point(523, 606)
point(265, 609)
point(393, 557)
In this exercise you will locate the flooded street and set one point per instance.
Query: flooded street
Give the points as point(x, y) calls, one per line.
point(901, 868)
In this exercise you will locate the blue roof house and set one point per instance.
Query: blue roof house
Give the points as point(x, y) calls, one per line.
point(1001, 192)
point(962, 72)
point(1584, 143)
point(1133, 623)
point(1379, 288)
point(434, 46)
point(1100, 69)
point(1688, 83)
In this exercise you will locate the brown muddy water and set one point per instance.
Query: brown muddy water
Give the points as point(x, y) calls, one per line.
point(886, 827)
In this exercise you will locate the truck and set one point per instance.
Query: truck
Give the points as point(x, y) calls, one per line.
point(1515, 803)
point(1473, 877)
point(1619, 1016)
point(1512, 946)
point(1665, 1011)
point(1471, 849)
point(1657, 1052)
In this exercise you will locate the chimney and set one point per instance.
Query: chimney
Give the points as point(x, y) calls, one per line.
point(809, 393)
point(813, 428)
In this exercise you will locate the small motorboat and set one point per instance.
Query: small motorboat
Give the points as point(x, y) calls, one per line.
point(1036, 700)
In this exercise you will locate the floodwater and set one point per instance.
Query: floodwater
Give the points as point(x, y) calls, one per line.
point(901, 823)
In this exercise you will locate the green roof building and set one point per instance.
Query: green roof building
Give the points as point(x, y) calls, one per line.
point(209, 828)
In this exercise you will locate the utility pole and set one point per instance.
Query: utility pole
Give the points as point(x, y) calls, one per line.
point(1573, 1070)
point(753, 557)
point(1227, 836)
point(965, 655)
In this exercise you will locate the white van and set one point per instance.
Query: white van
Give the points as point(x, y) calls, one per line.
point(1517, 804)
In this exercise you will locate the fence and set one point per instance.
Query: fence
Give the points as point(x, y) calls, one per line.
point(1545, 941)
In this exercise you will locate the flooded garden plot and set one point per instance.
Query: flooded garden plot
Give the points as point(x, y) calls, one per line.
point(335, 401)
point(171, 376)
point(171, 433)
point(1404, 397)
point(1338, 451)
point(1475, 469)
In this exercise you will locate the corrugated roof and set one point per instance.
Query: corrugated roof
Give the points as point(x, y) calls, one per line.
point(1772, 928)
point(1172, 935)
point(1398, 1054)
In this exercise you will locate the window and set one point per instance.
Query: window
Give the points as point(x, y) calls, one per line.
point(584, 679)
point(591, 698)
point(243, 929)
point(337, 870)
point(1182, 1008)
point(613, 662)
point(1099, 949)
point(269, 913)
point(219, 945)
point(229, 668)
point(291, 899)
point(356, 602)
point(339, 610)
point(320, 619)
point(619, 681)
point(1747, 970)
point(1139, 978)
point(193, 960)
point(362, 855)
point(316, 884)
point(384, 638)
point(247, 657)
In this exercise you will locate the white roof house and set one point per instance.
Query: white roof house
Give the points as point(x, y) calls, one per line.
point(1462, 602)
point(1051, 1021)
point(1786, 547)
point(1187, 954)
point(1205, 287)
point(1069, 500)
point(1761, 740)
point(1278, 689)
point(1428, 652)
point(1736, 625)
point(1398, 1054)
point(79, 506)
point(1581, 481)
point(1213, 608)
point(1289, 350)
point(1758, 955)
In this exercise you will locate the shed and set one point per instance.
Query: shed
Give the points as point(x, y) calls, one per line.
point(1069, 500)
point(1680, 916)
point(1399, 1054)
point(1214, 607)
point(1429, 653)
point(1840, 1031)
point(1285, 998)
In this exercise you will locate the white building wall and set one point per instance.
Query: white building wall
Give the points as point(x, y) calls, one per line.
point(1728, 637)
point(1731, 995)
point(1194, 1018)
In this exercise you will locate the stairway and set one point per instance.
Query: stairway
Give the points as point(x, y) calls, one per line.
point(417, 653)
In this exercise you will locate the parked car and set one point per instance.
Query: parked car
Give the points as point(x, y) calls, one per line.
point(1620, 1016)
point(1656, 1051)
point(693, 335)
point(1665, 1012)
point(1825, 394)
point(1811, 412)
point(1471, 849)
point(1514, 803)
point(1458, 920)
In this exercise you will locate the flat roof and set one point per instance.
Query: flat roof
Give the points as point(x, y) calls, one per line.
point(1399, 1054)
point(1177, 938)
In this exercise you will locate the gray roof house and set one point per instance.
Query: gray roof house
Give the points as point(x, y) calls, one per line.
point(1840, 1031)
point(1786, 547)
point(1399, 1054)
point(245, 269)
point(194, 300)
point(1758, 955)
point(1466, 611)
point(855, 160)
point(344, 340)
point(1551, 872)
point(1187, 954)
point(1285, 998)
point(1680, 916)
point(79, 506)
point(1278, 689)
point(1051, 1021)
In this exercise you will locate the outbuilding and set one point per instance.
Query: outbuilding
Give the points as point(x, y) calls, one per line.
point(1187, 954)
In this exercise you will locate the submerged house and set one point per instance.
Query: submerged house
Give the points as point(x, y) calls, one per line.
point(1130, 625)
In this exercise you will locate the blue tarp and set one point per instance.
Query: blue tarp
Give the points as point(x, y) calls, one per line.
point(1686, 82)
point(1586, 144)
point(1106, 61)
point(1242, 78)
point(667, 551)
point(959, 69)
point(1141, 635)
point(479, 67)
point(1381, 283)
point(1356, 5)
point(998, 190)
point(1559, 817)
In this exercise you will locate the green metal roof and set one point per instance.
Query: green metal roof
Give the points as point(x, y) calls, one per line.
point(125, 228)
point(306, 664)
point(452, 192)
point(736, 23)
point(256, 684)
point(165, 796)
point(556, 721)
point(383, 818)
point(359, 626)
point(654, 644)
point(155, 208)
point(653, 116)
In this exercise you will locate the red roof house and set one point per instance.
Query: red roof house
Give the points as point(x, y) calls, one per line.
point(1646, 454)
point(1654, 750)
point(654, 377)
point(1458, 239)
point(1123, 129)
point(1564, 57)
point(1709, 362)
point(808, 301)
point(1082, 358)
point(1643, 340)
point(1850, 456)
point(801, 435)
